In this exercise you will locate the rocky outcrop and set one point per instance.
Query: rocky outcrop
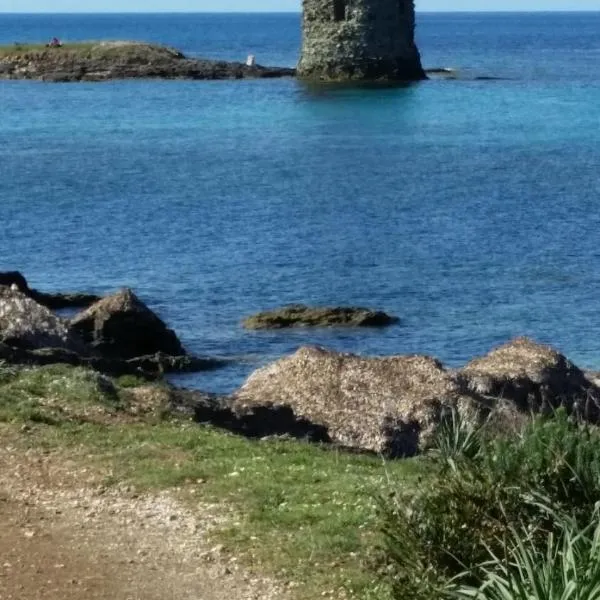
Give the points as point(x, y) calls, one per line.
point(118, 335)
point(395, 405)
point(149, 367)
point(122, 326)
point(121, 60)
point(389, 405)
point(28, 325)
point(534, 378)
point(298, 315)
point(54, 301)
point(359, 40)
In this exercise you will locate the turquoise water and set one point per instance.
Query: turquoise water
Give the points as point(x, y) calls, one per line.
point(468, 208)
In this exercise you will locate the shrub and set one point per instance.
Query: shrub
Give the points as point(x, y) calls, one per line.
point(462, 514)
point(565, 567)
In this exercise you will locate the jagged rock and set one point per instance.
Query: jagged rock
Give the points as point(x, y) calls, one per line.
point(54, 301)
point(534, 378)
point(299, 315)
point(28, 325)
point(122, 326)
point(389, 405)
point(121, 60)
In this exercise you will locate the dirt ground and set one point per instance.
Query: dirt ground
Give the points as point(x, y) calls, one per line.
point(64, 536)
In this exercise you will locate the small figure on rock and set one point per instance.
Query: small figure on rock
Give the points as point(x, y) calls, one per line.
point(54, 43)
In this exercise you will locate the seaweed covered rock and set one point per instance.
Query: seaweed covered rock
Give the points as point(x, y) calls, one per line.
point(26, 324)
point(122, 326)
point(390, 405)
point(533, 377)
point(299, 315)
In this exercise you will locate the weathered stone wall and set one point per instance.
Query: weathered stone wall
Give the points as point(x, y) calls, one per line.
point(359, 40)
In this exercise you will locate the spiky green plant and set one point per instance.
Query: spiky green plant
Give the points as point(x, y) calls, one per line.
point(462, 514)
point(457, 439)
point(566, 567)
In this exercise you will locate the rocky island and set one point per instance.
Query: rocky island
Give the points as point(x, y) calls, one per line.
point(341, 41)
point(103, 61)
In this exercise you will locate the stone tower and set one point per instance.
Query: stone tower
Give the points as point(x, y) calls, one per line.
point(359, 40)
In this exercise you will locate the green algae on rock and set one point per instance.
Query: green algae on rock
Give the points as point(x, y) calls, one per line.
point(299, 315)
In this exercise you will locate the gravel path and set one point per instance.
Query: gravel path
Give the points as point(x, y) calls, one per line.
point(63, 536)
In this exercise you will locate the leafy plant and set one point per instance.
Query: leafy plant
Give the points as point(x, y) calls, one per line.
point(463, 514)
point(565, 567)
point(457, 439)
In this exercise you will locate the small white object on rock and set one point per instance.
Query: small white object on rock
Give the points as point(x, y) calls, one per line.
point(251, 60)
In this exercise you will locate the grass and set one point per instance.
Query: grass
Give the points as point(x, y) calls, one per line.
point(23, 48)
point(303, 513)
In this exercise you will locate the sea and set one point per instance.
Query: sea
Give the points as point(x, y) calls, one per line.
point(469, 208)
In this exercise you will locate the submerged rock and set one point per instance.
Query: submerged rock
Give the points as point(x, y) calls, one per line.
point(104, 61)
point(122, 326)
point(389, 405)
point(299, 315)
point(534, 378)
point(26, 324)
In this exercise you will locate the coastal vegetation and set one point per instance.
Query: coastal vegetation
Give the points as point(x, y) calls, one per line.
point(301, 512)
point(475, 513)
point(502, 517)
point(25, 48)
point(338, 475)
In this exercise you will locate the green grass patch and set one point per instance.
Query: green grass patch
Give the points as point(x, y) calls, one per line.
point(25, 48)
point(303, 513)
point(54, 393)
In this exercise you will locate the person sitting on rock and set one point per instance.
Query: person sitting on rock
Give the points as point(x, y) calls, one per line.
point(54, 43)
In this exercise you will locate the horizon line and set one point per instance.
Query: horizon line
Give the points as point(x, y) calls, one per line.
point(281, 12)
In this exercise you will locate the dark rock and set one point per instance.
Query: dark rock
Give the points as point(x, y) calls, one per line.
point(26, 324)
point(122, 326)
point(249, 421)
point(391, 405)
point(148, 367)
point(299, 315)
point(163, 363)
point(59, 301)
point(122, 60)
point(54, 301)
point(9, 278)
point(534, 378)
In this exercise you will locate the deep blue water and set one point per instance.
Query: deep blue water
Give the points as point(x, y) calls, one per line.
point(468, 208)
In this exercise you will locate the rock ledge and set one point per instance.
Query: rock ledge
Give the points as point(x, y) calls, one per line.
point(103, 61)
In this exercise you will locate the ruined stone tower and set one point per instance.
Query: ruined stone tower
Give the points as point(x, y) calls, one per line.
point(359, 40)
